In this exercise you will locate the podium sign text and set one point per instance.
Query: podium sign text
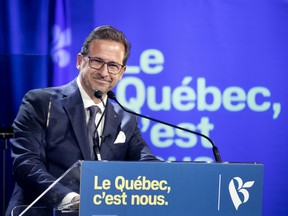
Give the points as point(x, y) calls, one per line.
point(170, 189)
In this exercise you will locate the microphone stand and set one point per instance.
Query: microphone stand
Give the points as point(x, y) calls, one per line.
point(215, 150)
point(96, 146)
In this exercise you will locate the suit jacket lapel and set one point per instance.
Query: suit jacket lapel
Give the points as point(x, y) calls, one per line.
point(73, 104)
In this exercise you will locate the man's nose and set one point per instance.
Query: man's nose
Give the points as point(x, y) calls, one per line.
point(104, 70)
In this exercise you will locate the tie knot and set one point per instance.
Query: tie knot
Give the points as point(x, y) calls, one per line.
point(93, 110)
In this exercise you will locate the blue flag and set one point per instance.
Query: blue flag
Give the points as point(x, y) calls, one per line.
point(60, 43)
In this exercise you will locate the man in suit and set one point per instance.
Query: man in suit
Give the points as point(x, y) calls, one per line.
point(50, 129)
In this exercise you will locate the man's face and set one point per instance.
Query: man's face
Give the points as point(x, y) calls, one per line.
point(93, 79)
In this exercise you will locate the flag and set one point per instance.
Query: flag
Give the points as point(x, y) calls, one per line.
point(60, 43)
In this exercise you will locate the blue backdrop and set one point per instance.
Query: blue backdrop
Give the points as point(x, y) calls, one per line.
point(216, 67)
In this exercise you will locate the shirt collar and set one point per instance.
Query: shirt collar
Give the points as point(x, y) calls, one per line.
point(87, 101)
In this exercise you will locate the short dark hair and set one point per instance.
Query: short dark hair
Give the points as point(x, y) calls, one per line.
point(107, 33)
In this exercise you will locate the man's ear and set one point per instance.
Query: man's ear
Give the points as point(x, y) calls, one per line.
point(122, 72)
point(79, 61)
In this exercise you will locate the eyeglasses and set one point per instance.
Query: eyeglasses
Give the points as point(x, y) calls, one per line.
point(97, 63)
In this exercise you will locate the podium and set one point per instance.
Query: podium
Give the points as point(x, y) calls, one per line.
point(169, 189)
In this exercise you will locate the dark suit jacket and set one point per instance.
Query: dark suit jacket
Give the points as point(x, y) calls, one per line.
point(51, 135)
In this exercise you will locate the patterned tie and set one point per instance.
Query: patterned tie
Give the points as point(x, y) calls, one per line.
point(92, 133)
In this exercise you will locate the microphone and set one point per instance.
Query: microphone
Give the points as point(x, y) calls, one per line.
point(96, 148)
point(215, 150)
point(98, 94)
